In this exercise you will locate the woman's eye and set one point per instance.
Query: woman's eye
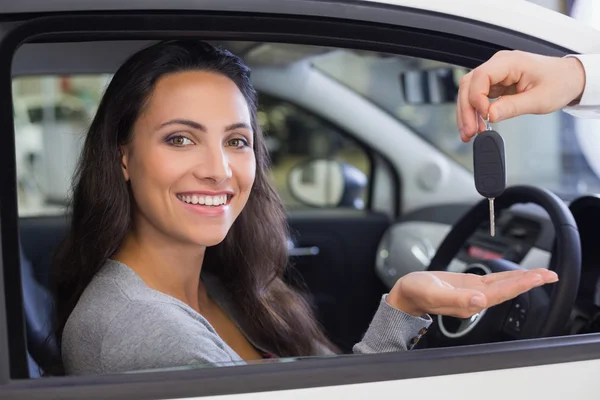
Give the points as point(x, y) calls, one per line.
point(180, 141)
point(238, 142)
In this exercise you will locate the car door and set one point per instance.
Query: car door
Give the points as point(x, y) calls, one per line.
point(537, 368)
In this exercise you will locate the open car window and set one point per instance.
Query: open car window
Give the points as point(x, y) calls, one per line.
point(52, 114)
point(57, 110)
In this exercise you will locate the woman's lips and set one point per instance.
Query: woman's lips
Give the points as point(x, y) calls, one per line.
point(206, 204)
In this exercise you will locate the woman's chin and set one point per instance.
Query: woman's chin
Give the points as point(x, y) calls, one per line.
point(209, 240)
point(205, 236)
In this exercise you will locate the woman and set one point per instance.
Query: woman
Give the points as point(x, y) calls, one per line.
point(177, 245)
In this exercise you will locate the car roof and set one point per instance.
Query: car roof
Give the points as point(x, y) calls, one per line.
point(516, 15)
point(104, 57)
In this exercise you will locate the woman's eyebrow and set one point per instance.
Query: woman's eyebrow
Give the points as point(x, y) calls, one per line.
point(187, 122)
point(238, 125)
point(198, 126)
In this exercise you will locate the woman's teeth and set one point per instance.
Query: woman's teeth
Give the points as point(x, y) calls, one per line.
point(204, 200)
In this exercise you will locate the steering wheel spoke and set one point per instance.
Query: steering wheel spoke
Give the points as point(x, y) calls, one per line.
point(516, 319)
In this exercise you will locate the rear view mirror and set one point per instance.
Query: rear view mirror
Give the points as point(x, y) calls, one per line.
point(431, 86)
point(327, 183)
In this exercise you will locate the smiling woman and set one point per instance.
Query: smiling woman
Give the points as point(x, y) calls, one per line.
point(185, 118)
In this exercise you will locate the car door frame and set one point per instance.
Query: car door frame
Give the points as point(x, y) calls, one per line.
point(329, 371)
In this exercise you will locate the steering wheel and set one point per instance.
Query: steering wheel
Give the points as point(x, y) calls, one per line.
point(540, 312)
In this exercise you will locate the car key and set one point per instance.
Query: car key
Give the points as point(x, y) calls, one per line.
point(489, 167)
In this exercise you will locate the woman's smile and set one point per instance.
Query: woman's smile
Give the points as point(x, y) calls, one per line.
point(206, 203)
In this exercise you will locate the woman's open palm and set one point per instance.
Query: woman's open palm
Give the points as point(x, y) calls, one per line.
point(462, 295)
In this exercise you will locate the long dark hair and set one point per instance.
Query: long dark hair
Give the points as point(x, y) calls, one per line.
point(250, 262)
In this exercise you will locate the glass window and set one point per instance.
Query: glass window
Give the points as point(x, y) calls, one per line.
point(52, 114)
point(296, 137)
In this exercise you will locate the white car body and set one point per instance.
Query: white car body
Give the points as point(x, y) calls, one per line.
point(517, 15)
point(551, 381)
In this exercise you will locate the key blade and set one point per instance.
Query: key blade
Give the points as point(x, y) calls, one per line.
point(492, 218)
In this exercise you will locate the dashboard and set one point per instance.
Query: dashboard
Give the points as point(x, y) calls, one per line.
point(524, 235)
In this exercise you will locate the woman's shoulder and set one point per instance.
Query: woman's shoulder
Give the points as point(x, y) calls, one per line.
point(112, 292)
point(119, 324)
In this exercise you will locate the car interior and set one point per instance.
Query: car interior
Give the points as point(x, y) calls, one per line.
point(347, 251)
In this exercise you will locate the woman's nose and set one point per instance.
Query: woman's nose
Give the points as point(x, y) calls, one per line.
point(213, 165)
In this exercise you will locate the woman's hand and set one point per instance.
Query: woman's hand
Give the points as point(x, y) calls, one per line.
point(462, 295)
point(526, 83)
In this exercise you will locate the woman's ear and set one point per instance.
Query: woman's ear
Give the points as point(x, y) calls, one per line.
point(124, 162)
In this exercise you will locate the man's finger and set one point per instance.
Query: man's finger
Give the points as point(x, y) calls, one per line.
point(467, 122)
point(497, 70)
point(510, 106)
point(471, 121)
point(459, 120)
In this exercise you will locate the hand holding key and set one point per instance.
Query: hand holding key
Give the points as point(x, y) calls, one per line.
point(489, 168)
point(524, 83)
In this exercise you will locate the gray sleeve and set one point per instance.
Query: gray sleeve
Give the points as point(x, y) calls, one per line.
point(392, 330)
point(150, 336)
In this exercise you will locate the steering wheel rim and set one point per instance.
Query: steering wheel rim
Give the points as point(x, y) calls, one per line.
point(566, 257)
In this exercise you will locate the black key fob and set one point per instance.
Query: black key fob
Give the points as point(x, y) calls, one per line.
point(488, 164)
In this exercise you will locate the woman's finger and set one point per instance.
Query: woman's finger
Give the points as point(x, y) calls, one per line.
point(498, 276)
point(547, 275)
point(506, 289)
point(448, 300)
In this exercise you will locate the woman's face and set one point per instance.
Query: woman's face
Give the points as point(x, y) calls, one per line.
point(191, 162)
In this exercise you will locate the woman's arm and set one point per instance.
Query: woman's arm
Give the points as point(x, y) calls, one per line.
point(403, 314)
point(392, 330)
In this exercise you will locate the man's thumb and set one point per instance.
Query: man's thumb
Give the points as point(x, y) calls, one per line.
point(513, 105)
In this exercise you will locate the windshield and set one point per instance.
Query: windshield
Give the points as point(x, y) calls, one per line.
point(544, 150)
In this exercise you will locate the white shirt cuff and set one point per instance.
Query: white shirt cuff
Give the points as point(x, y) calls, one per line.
point(591, 66)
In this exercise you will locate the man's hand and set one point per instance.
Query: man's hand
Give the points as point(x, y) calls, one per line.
point(462, 295)
point(525, 83)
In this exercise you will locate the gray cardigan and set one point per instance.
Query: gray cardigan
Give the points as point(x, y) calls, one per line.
point(121, 325)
